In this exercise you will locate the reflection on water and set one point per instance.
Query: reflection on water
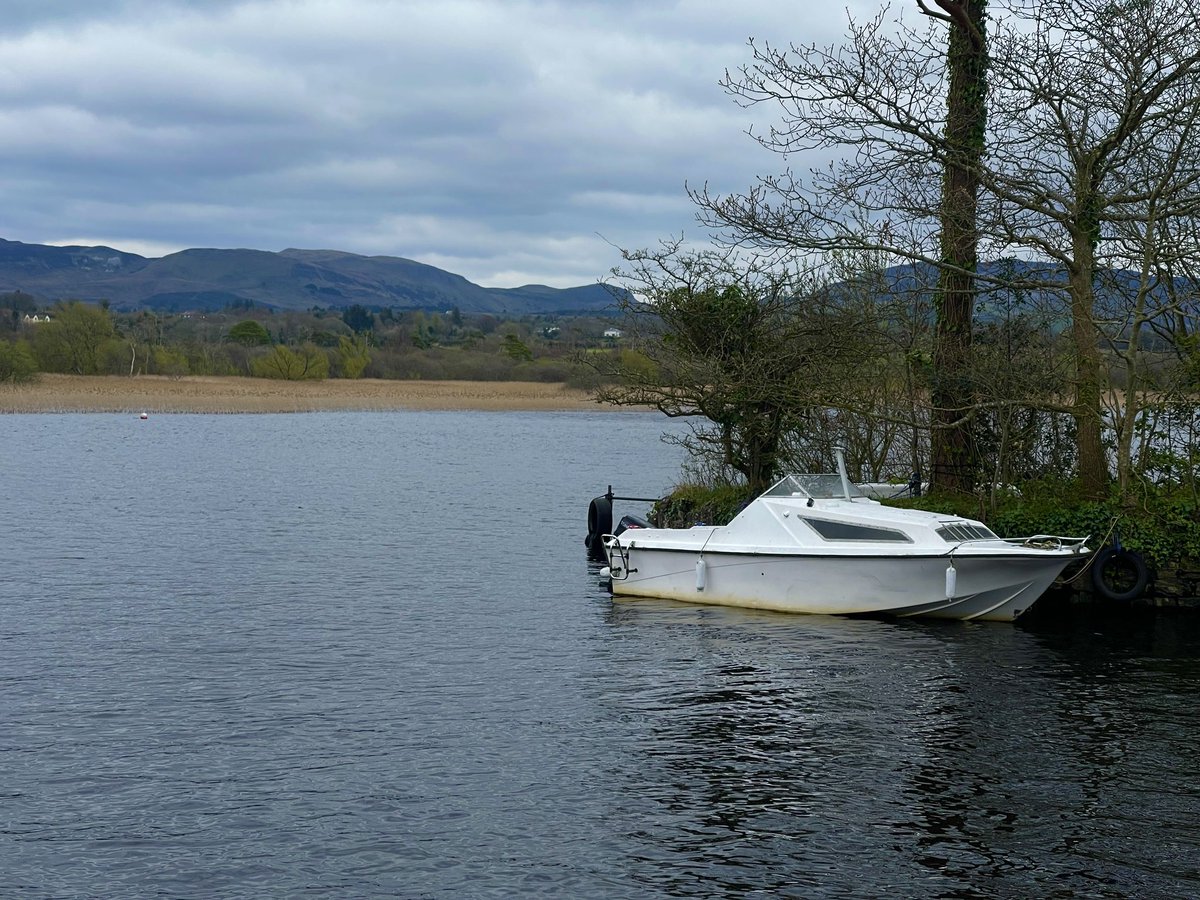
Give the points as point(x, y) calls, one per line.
point(364, 655)
point(832, 757)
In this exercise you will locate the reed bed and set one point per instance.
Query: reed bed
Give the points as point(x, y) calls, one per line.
point(53, 393)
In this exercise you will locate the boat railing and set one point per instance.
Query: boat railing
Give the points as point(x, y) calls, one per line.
point(616, 551)
point(1050, 542)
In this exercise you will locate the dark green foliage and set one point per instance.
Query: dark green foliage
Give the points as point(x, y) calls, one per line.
point(326, 339)
point(748, 349)
point(1164, 525)
point(693, 504)
point(358, 318)
point(516, 349)
point(18, 302)
point(249, 333)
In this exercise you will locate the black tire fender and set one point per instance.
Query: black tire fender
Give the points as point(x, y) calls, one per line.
point(1129, 563)
point(599, 524)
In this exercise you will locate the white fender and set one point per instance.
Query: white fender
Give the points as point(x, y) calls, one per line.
point(701, 573)
point(951, 581)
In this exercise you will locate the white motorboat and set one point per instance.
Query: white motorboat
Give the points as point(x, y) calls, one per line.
point(815, 544)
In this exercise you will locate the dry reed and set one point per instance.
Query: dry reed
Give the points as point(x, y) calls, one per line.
point(52, 393)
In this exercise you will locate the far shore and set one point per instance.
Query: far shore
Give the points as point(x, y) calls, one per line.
point(53, 393)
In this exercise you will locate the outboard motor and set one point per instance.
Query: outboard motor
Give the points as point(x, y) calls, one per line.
point(631, 521)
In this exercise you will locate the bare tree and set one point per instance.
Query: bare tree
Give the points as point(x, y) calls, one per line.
point(906, 112)
point(1088, 168)
point(1091, 159)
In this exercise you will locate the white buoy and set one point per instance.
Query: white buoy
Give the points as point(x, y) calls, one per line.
point(951, 581)
point(144, 416)
point(701, 573)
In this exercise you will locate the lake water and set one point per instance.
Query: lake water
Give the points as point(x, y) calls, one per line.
point(359, 655)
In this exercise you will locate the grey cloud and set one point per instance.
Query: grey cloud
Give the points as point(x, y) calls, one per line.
point(500, 140)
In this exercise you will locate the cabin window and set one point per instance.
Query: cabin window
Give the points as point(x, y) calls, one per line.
point(957, 532)
point(820, 487)
point(848, 531)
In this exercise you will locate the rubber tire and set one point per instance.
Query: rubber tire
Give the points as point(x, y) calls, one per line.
point(1128, 560)
point(599, 524)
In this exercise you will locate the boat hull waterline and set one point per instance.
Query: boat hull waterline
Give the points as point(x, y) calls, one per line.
point(987, 588)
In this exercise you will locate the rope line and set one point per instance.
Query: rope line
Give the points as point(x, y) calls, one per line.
point(1104, 543)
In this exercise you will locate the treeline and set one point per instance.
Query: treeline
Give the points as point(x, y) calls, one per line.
point(777, 368)
point(992, 282)
point(92, 339)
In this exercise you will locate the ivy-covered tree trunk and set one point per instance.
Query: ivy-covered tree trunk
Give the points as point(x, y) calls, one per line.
point(952, 392)
point(1089, 365)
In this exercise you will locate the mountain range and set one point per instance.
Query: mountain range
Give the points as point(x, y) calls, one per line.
point(208, 279)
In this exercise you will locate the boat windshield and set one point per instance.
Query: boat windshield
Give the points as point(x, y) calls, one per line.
point(819, 487)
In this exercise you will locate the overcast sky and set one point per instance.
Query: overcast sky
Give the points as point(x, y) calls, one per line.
point(509, 142)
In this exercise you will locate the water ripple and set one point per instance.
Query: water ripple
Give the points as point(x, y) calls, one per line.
point(361, 655)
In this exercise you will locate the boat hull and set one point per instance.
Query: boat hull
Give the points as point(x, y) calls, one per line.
point(997, 587)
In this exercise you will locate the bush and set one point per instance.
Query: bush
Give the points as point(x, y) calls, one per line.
point(1163, 526)
point(693, 504)
point(547, 371)
point(113, 358)
point(17, 365)
point(417, 367)
point(584, 379)
point(249, 333)
point(170, 362)
point(352, 356)
point(308, 364)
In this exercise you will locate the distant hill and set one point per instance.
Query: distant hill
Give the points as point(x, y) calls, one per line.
point(1024, 287)
point(292, 279)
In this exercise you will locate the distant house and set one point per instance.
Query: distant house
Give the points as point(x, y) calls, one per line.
point(612, 333)
point(35, 318)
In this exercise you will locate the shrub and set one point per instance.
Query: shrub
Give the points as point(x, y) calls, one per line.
point(548, 371)
point(585, 379)
point(167, 361)
point(693, 504)
point(1164, 525)
point(310, 363)
point(352, 357)
point(249, 333)
point(17, 365)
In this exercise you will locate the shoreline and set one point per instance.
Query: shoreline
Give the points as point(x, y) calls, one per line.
point(56, 393)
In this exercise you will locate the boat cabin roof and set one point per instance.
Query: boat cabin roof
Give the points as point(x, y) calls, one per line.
point(819, 487)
